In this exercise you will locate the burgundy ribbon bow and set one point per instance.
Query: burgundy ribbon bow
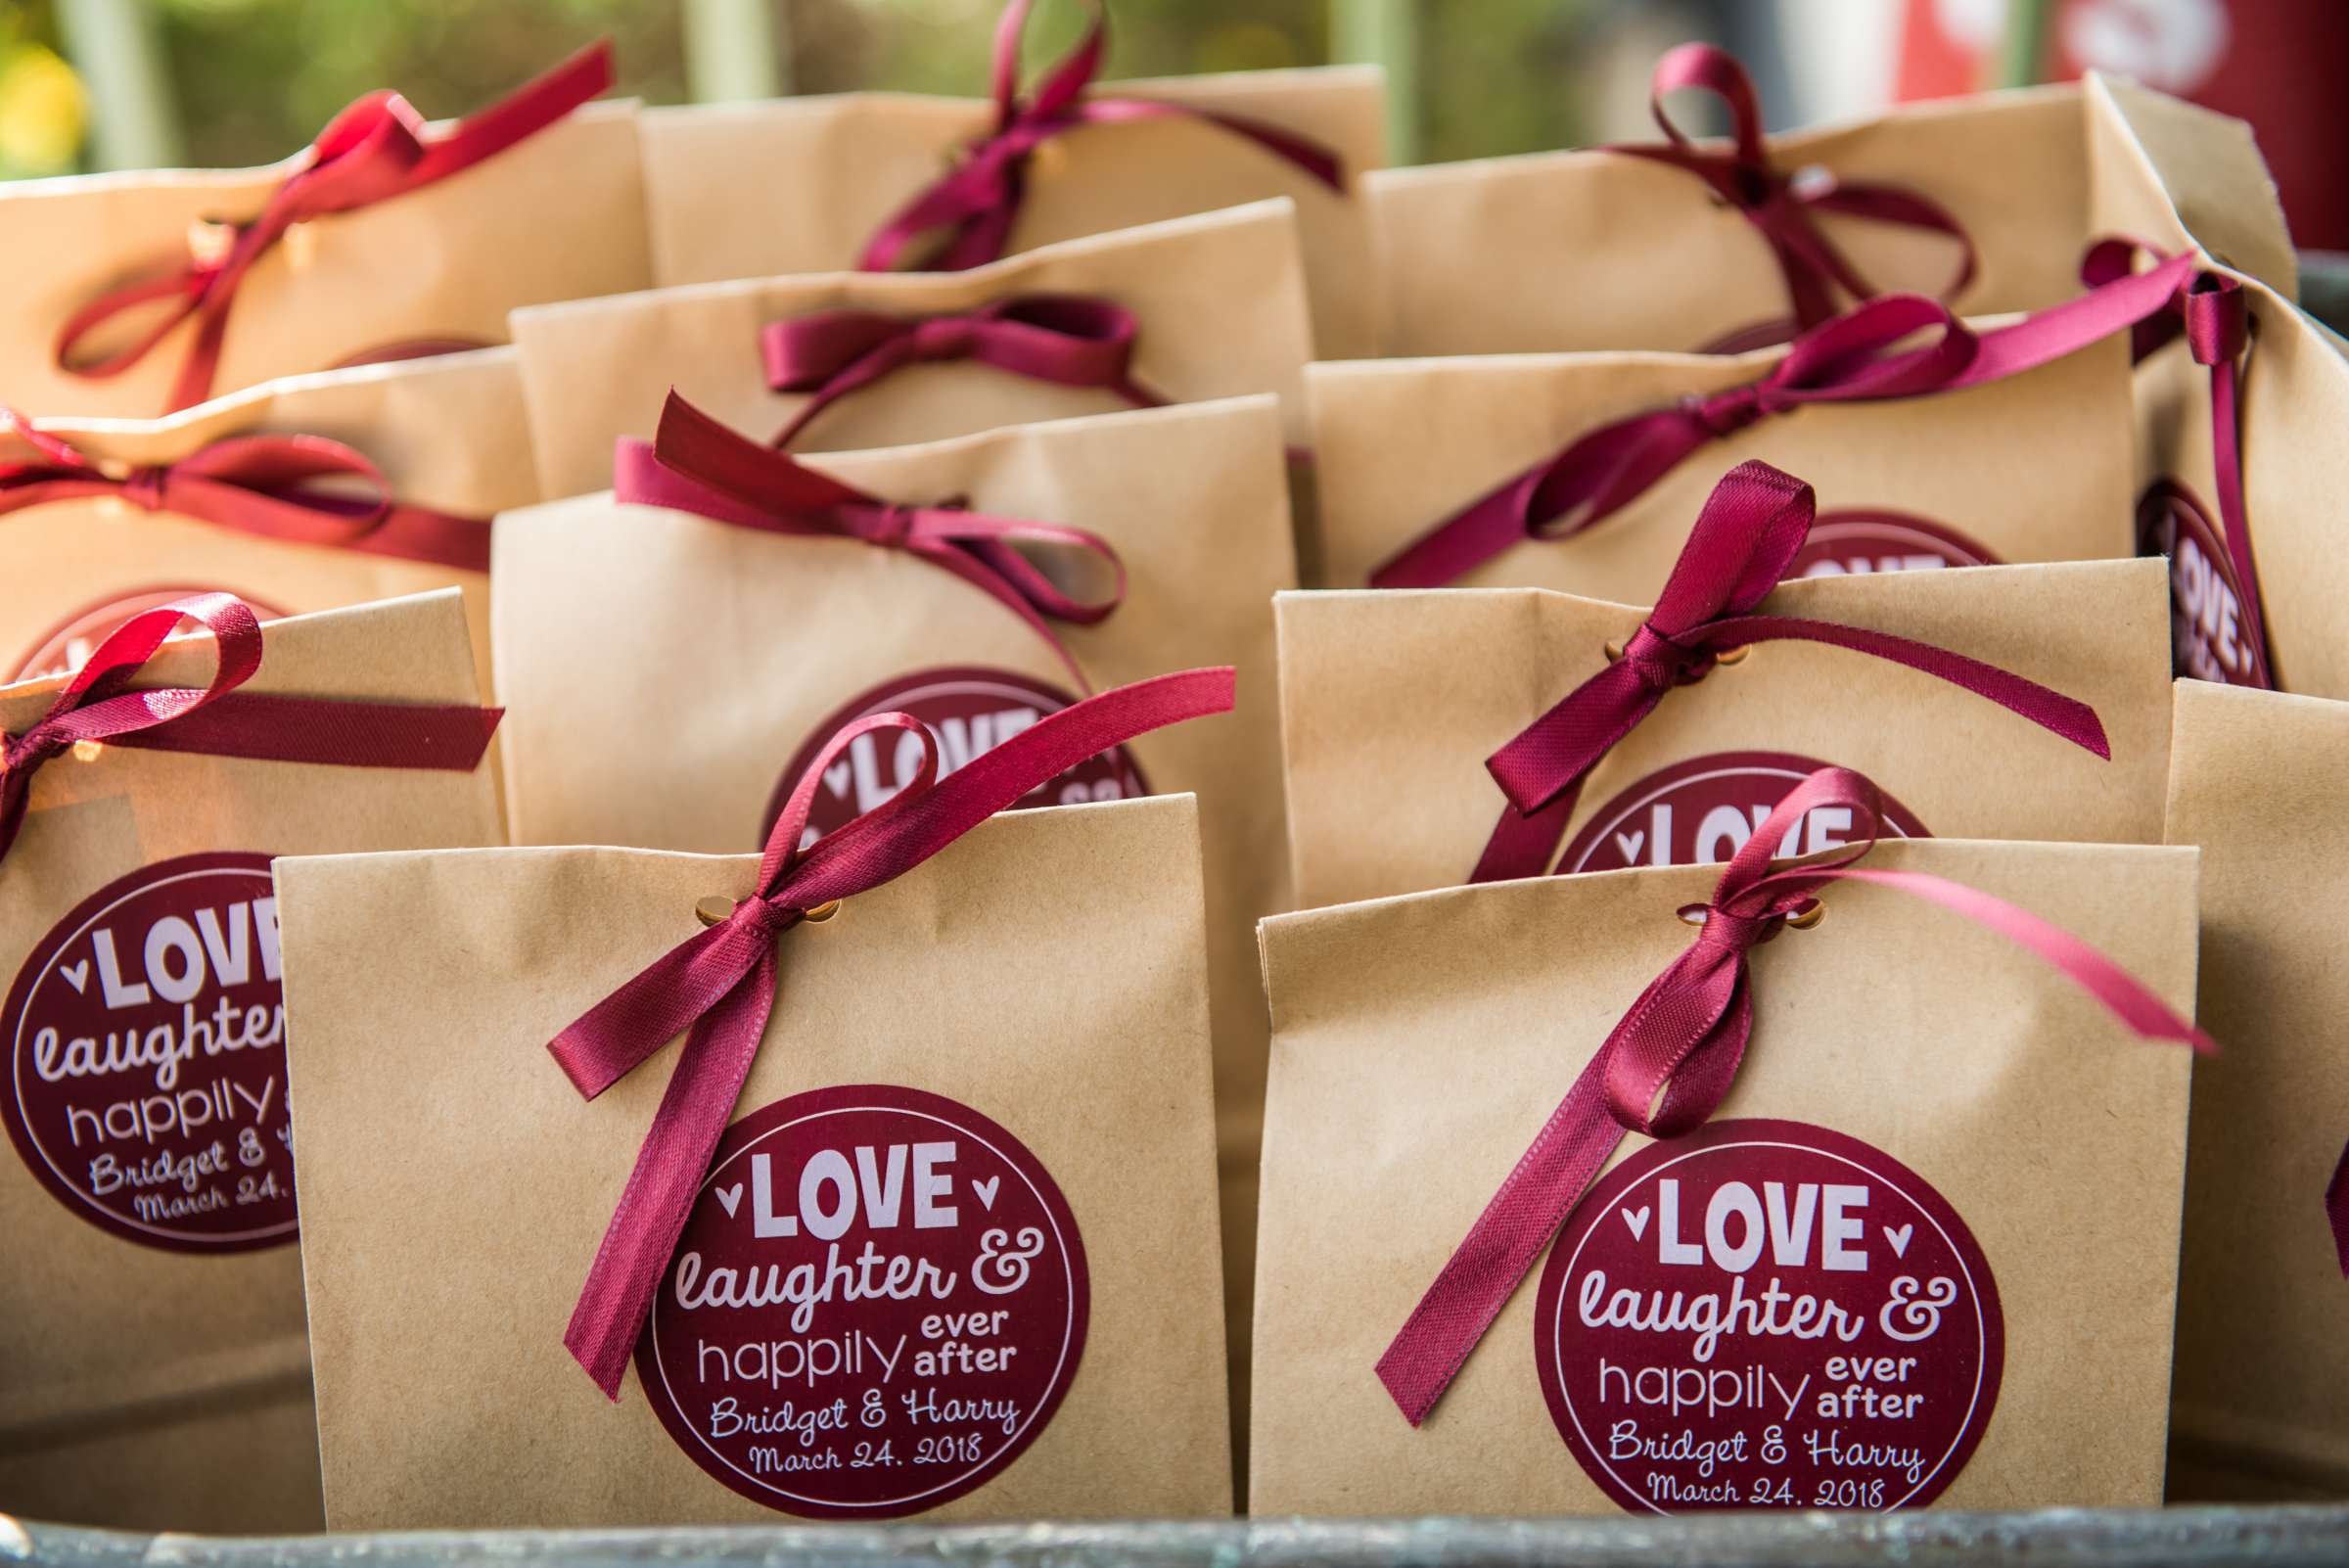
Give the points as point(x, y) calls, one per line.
point(1665, 1068)
point(1863, 357)
point(1785, 209)
point(2214, 312)
point(377, 148)
point(721, 983)
point(218, 720)
point(1751, 528)
point(1071, 339)
point(695, 464)
point(304, 489)
point(978, 200)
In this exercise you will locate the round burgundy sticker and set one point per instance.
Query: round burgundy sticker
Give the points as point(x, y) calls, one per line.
point(146, 1062)
point(2208, 637)
point(67, 647)
point(877, 1303)
point(970, 712)
point(1854, 542)
point(1767, 1314)
point(1701, 811)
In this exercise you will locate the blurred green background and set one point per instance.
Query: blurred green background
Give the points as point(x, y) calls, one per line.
point(100, 83)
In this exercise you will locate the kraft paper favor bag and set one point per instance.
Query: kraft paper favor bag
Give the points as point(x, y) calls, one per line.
point(1608, 249)
point(2032, 467)
point(1392, 702)
point(1923, 1251)
point(385, 476)
point(812, 631)
point(2257, 780)
point(1008, 1042)
point(1216, 305)
point(815, 184)
point(152, 1348)
point(389, 237)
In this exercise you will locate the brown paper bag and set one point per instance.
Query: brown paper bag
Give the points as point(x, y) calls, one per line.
point(846, 162)
point(446, 434)
point(1219, 299)
point(556, 215)
point(2032, 467)
point(1391, 703)
point(1039, 986)
point(153, 1362)
point(1604, 250)
point(1944, 1122)
point(814, 631)
point(2258, 780)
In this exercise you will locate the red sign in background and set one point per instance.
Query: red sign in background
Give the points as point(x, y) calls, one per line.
point(877, 1304)
point(1767, 1314)
point(146, 1062)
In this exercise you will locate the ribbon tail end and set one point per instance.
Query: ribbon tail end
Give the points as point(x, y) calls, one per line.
point(597, 1358)
point(1407, 1388)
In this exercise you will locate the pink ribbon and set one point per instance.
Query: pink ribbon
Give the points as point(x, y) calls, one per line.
point(1665, 1068)
point(296, 488)
point(377, 148)
point(720, 983)
point(218, 720)
point(1751, 528)
point(1785, 209)
point(977, 201)
point(1861, 356)
point(695, 464)
point(2213, 311)
point(1070, 340)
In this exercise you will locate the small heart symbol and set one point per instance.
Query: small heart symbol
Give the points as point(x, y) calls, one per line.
point(78, 975)
point(732, 1197)
point(987, 1191)
point(836, 778)
point(1636, 1219)
point(1899, 1239)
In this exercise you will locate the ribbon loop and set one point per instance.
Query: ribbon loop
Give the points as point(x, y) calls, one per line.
point(377, 148)
point(216, 719)
point(696, 464)
point(1666, 1067)
point(719, 985)
point(973, 207)
point(1783, 209)
point(1870, 353)
point(1068, 340)
point(300, 489)
point(1751, 528)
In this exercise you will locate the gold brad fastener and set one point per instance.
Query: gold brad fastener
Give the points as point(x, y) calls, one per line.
point(716, 910)
point(1805, 919)
point(1727, 656)
point(211, 241)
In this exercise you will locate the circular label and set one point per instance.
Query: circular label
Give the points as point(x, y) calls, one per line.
point(1701, 811)
point(1767, 1314)
point(147, 1063)
point(877, 1303)
point(970, 712)
point(66, 647)
point(1851, 541)
point(2209, 639)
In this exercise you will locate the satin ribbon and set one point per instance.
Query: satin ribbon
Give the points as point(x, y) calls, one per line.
point(378, 148)
point(1665, 1068)
point(1070, 340)
point(1866, 355)
point(1785, 209)
point(1751, 528)
point(978, 200)
point(695, 464)
point(218, 720)
point(2213, 313)
point(302, 490)
point(720, 983)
